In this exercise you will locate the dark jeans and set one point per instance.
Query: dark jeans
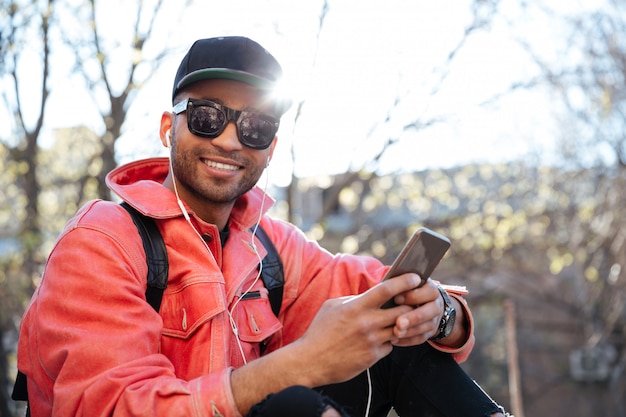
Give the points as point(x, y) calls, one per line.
point(417, 381)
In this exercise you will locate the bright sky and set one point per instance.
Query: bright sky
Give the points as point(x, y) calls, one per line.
point(370, 54)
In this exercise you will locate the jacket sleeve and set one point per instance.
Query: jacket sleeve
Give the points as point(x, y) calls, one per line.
point(314, 275)
point(89, 343)
point(461, 353)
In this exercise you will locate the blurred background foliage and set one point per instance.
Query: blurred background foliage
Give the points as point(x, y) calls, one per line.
point(540, 246)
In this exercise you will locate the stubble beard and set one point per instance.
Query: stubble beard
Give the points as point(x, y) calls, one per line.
point(214, 190)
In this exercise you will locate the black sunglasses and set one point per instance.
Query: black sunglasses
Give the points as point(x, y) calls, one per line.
point(208, 119)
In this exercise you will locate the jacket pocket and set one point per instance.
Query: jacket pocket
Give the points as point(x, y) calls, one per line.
point(187, 308)
point(254, 317)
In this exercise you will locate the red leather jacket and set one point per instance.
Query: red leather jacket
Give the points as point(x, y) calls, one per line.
point(92, 346)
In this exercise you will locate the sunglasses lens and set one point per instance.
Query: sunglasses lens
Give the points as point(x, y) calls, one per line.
point(206, 121)
point(256, 131)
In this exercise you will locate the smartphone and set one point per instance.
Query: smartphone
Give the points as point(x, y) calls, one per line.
point(421, 254)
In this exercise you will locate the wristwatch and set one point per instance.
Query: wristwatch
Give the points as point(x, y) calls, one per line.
point(448, 318)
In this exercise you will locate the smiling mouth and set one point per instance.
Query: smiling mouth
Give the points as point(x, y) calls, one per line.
point(219, 165)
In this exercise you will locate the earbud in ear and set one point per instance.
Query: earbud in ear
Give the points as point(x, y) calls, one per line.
point(267, 162)
point(168, 138)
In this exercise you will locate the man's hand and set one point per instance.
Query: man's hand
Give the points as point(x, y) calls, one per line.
point(350, 334)
point(347, 336)
point(422, 322)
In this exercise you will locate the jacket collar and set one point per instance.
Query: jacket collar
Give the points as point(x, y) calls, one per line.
point(140, 183)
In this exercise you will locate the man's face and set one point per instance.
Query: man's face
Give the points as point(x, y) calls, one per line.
point(218, 170)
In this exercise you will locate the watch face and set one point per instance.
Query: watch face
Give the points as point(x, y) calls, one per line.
point(450, 322)
point(449, 317)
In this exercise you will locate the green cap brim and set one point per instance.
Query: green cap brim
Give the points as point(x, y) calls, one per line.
point(228, 74)
point(282, 103)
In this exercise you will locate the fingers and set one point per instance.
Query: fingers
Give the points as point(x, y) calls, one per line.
point(422, 322)
point(371, 322)
point(417, 326)
point(378, 295)
point(419, 296)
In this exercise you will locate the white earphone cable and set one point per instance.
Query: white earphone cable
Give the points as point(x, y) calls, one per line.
point(254, 248)
point(233, 324)
point(369, 393)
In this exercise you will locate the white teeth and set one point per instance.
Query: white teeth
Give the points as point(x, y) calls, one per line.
point(219, 165)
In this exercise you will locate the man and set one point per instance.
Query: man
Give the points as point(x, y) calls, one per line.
point(91, 345)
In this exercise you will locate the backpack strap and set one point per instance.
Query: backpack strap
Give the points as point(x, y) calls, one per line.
point(272, 272)
point(156, 255)
point(20, 392)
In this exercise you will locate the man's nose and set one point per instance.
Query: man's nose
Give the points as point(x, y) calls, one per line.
point(228, 139)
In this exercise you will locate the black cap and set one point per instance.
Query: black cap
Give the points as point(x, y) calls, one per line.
point(234, 58)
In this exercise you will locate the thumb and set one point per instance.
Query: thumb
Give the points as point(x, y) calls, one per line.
point(386, 290)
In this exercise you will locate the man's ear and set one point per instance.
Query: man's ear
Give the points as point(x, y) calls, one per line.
point(166, 127)
point(271, 149)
